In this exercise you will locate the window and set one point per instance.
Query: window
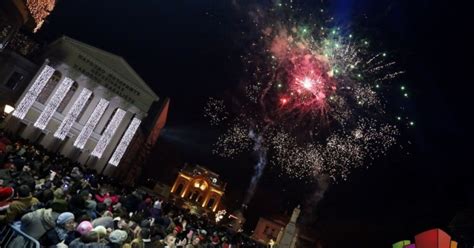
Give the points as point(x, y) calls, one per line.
point(49, 87)
point(83, 110)
point(108, 122)
point(67, 98)
point(179, 189)
point(211, 203)
point(14, 80)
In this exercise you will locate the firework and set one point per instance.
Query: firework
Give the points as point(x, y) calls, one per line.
point(312, 96)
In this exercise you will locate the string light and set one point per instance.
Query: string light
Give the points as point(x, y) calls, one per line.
point(33, 92)
point(72, 115)
point(108, 133)
point(124, 142)
point(86, 131)
point(53, 103)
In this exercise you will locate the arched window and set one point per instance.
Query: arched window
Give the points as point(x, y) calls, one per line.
point(108, 121)
point(67, 97)
point(179, 189)
point(49, 87)
point(83, 110)
point(210, 203)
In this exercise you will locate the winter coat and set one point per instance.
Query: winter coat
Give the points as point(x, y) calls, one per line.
point(89, 240)
point(17, 208)
point(38, 222)
point(106, 221)
point(58, 205)
point(51, 238)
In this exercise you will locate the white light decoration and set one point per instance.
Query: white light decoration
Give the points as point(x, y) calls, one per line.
point(53, 103)
point(86, 131)
point(72, 115)
point(124, 142)
point(33, 92)
point(108, 133)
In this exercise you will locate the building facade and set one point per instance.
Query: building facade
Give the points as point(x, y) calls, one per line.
point(199, 187)
point(82, 102)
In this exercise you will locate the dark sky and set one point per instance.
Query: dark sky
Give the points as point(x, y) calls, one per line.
point(188, 50)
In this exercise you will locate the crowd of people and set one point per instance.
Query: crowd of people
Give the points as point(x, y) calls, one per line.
point(61, 204)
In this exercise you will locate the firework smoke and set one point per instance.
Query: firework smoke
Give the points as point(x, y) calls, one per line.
point(261, 152)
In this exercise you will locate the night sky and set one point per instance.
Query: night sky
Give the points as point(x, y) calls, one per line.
point(189, 50)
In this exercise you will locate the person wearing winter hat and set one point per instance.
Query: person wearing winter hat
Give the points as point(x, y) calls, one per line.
point(59, 203)
point(62, 232)
point(20, 205)
point(38, 222)
point(105, 221)
point(101, 231)
point(84, 227)
point(6, 194)
point(118, 237)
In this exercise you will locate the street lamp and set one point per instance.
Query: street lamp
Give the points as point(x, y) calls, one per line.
point(8, 109)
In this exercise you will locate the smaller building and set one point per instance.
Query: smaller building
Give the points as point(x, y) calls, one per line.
point(283, 232)
point(199, 187)
point(268, 229)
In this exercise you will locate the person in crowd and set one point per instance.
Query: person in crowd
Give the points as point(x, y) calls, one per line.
point(59, 203)
point(20, 205)
point(38, 222)
point(6, 195)
point(117, 238)
point(48, 194)
point(63, 232)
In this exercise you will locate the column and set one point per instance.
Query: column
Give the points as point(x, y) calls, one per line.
point(108, 133)
point(206, 200)
point(53, 103)
point(73, 99)
point(124, 142)
point(27, 100)
point(186, 188)
point(91, 123)
point(218, 200)
point(72, 114)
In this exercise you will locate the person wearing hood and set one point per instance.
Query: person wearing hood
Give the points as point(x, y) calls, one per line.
point(6, 195)
point(117, 238)
point(19, 206)
point(62, 232)
point(38, 222)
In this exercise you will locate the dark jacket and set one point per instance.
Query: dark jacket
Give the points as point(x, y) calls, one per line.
point(17, 208)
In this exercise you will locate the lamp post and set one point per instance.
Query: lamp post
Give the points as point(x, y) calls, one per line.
point(7, 110)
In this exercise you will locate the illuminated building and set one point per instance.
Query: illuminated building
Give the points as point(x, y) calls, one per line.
point(83, 102)
point(283, 232)
point(199, 187)
point(26, 14)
